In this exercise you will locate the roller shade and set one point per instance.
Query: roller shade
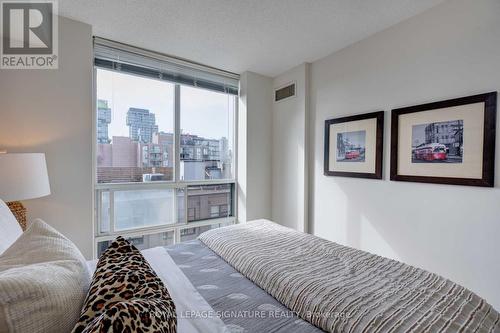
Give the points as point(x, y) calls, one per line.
point(128, 59)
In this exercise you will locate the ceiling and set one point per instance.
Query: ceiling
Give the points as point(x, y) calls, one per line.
point(264, 36)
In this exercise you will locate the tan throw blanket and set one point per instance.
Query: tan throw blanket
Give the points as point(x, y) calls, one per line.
point(341, 289)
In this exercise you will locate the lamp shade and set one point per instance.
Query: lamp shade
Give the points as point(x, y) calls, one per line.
point(23, 176)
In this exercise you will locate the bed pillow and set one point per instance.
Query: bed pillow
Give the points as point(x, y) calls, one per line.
point(126, 295)
point(10, 229)
point(43, 282)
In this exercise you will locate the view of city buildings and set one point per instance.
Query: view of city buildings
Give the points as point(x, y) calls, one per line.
point(147, 154)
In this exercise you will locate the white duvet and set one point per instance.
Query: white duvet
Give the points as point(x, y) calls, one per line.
point(186, 298)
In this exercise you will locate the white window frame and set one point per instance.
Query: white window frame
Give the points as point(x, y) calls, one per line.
point(175, 184)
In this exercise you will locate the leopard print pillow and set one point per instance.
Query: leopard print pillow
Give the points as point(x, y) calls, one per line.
point(126, 295)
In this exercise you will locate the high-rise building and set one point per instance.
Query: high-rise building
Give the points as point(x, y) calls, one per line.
point(103, 121)
point(197, 148)
point(159, 153)
point(142, 125)
point(203, 158)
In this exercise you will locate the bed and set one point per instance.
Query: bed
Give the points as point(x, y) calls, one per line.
point(252, 277)
point(262, 277)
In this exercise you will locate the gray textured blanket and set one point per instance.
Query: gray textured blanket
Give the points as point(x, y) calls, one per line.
point(341, 289)
point(242, 306)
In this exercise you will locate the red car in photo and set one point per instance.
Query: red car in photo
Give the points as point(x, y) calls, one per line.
point(431, 152)
point(352, 154)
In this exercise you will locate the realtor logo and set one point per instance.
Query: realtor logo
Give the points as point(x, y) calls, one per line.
point(29, 34)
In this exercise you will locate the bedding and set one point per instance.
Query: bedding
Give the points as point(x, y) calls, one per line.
point(126, 295)
point(341, 289)
point(241, 305)
point(190, 271)
point(43, 282)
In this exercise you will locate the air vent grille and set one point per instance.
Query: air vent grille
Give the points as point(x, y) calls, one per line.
point(285, 92)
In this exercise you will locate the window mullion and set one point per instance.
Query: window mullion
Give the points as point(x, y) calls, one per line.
point(176, 203)
point(186, 201)
point(98, 212)
point(177, 130)
point(111, 211)
point(234, 162)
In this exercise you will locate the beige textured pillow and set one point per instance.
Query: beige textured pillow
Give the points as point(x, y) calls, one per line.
point(43, 282)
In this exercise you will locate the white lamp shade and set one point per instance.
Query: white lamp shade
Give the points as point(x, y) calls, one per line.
point(23, 177)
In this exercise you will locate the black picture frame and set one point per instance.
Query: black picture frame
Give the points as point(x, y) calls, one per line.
point(379, 145)
point(490, 106)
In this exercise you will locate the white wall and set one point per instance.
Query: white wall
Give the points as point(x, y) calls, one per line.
point(50, 111)
point(254, 149)
point(450, 51)
point(289, 142)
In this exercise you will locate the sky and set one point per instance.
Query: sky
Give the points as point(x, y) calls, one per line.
point(203, 112)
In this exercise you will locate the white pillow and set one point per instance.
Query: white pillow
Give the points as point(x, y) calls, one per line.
point(10, 229)
point(43, 282)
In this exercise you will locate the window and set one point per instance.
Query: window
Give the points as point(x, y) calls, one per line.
point(207, 120)
point(136, 118)
point(209, 201)
point(143, 208)
point(165, 147)
point(214, 211)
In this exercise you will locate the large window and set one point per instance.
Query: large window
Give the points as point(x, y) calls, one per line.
point(206, 134)
point(165, 149)
point(135, 128)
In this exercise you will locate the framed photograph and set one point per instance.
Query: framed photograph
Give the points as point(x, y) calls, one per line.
point(447, 142)
point(353, 146)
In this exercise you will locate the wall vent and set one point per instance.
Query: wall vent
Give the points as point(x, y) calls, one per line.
point(284, 92)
